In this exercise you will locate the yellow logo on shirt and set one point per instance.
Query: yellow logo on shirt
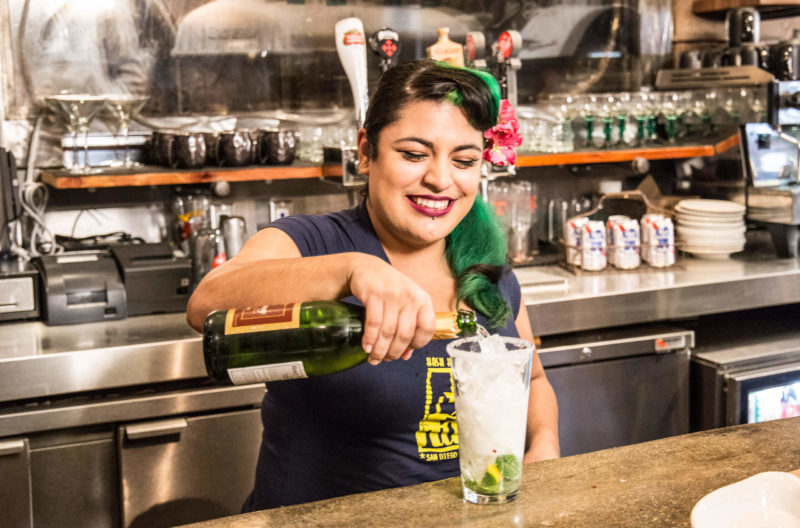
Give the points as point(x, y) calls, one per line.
point(437, 438)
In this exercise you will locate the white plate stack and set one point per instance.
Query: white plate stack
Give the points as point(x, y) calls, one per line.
point(711, 229)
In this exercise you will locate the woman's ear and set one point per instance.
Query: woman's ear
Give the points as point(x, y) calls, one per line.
point(364, 152)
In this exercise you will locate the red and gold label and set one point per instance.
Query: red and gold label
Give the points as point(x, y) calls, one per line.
point(262, 318)
point(353, 37)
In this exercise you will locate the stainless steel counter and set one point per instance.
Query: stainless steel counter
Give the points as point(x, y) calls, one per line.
point(690, 288)
point(37, 360)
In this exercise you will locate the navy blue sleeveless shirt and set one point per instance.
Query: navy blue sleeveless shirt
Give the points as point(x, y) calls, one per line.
point(369, 427)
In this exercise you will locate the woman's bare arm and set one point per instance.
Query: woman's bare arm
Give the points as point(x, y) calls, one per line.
point(270, 270)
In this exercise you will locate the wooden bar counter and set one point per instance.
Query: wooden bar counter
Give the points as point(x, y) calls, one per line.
point(652, 484)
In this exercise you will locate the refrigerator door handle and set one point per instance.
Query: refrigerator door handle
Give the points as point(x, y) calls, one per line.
point(140, 431)
point(12, 447)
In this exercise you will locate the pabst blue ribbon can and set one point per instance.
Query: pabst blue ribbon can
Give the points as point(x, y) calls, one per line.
point(662, 243)
point(572, 239)
point(593, 246)
point(612, 236)
point(646, 230)
point(627, 238)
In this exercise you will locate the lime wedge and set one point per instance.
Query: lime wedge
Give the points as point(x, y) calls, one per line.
point(492, 479)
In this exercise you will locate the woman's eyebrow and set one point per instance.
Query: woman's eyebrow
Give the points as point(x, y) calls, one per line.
point(423, 142)
point(428, 144)
point(469, 146)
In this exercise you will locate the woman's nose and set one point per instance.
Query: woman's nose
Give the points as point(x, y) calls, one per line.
point(438, 176)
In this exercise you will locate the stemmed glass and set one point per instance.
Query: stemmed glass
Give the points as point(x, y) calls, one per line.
point(731, 104)
point(565, 109)
point(124, 107)
point(622, 106)
point(608, 113)
point(641, 108)
point(78, 110)
point(671, 107)
point(712, 105)
point(588, 110)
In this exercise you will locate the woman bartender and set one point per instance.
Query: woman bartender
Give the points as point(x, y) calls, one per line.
point(419, 243)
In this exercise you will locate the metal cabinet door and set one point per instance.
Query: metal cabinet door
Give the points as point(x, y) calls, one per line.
point(620, 402)
point(184, 470)
point(74, 480)
point(15, 483)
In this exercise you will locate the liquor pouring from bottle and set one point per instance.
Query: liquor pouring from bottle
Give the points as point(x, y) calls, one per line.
point(419, 243)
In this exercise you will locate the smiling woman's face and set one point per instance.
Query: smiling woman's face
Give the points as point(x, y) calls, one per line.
point(426, 175)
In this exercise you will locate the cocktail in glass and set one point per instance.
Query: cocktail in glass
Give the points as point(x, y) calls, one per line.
point(492, 382)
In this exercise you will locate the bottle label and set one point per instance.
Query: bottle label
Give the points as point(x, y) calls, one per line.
point(262, 318)
point(263, 373)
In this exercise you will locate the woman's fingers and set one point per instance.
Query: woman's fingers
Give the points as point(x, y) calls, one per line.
point(386, 332)
point(372, 326)
point(404, 333)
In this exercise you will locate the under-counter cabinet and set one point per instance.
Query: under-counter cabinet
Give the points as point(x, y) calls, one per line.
point(148, 461)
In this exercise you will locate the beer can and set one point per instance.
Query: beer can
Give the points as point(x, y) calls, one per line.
point(593, 246)
point(612, 236)
point(572, 239)
point(646, 229)
point(627, 238)
point(662, 243)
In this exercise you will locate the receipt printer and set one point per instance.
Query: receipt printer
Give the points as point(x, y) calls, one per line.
point(80, 287)
point(156, 281)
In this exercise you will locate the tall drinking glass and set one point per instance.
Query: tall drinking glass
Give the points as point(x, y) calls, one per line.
point(492, 382)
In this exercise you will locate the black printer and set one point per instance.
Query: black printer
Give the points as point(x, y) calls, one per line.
point(156, 281)
point(80, 287)
point(107, 284)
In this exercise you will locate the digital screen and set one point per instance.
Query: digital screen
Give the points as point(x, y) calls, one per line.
point(772, 403)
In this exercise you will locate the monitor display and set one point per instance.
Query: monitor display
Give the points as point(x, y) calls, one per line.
point(771, 403)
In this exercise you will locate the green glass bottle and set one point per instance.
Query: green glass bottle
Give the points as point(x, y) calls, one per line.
point(298, 340)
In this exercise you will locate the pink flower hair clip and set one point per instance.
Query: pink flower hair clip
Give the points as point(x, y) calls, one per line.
point(504, 137)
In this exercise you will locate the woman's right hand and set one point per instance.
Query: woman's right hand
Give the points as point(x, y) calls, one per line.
point(399, 313)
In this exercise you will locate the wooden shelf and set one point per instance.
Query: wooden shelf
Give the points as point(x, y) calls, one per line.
point(766, 8)
point(147, 175)
point(620, 155)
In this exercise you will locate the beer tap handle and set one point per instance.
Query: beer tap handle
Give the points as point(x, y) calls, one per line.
point(352, 50)
point(475, 50)
point(385, 43)
point(506, 50)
